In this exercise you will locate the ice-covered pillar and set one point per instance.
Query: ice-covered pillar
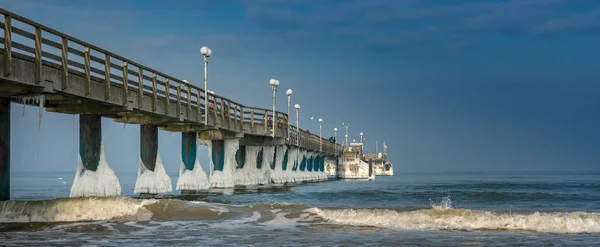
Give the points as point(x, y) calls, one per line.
point(149, 145)
point(285, 159)
point(310, 162)
point(218, 154)
point(90, 140)
point(223, 156)
point(188, 149)
point(152, 178)
point(322, 163)
point(302, 162)
point(259, 159)
point(240, 156)
point(4, 149)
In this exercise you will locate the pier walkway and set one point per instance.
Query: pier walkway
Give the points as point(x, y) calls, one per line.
point(66, 75)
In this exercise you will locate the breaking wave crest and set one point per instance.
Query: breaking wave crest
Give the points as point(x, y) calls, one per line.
point(440, 218)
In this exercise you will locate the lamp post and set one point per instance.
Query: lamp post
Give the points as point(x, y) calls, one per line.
point(297, 126)
point(335, 139)
point(206, 53)
point(347, 125)
point(289, 96)
point(361, 137)
point(274, 83)
point(320, 135)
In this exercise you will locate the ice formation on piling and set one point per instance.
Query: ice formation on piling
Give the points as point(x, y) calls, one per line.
point(195, 179)
point(277, 174)
point(103, 182)
point(225, 178)
point(249, 174)
point(153, 182)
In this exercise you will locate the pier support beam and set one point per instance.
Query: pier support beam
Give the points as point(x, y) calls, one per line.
point(149, 145)
point(310, 162)
point(189, 149)
point(259, 159)
point(302, 162)
point(218, 154)
point(4, 149)
point(240, 156)
point(285, 159)
point(90, 140)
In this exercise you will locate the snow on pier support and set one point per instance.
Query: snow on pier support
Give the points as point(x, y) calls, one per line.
point(191, 175)
point(268, 162)
point(240, 156)
point(224, 162)
point(93, 177)
point(309, 161)
point(4, 149)
point(152, 178)
point(277, 174)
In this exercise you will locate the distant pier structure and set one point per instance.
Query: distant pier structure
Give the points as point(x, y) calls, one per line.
point(43, 67)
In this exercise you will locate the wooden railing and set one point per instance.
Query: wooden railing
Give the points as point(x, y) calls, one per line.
point(48, 47)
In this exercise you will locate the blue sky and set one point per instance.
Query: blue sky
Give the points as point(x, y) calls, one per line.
point(449, 85)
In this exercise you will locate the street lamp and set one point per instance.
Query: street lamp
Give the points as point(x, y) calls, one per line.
point(320, 135)
point(361, 137)
point(289, 96)
point(274, 83)
point(297, 126)
point(347, 125)
point(206, 53)
point(335, 139)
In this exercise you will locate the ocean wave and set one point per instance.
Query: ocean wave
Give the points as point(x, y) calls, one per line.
point(464, 220)
point(74, 209)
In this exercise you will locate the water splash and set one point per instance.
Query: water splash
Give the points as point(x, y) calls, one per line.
point(103, 182)
point(446, 203)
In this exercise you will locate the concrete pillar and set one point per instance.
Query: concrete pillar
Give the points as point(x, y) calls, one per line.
point(90, 140)
point(149, 145)
point(240, 156)
point(285, 159)
point(310, 163)
point(218, 154)
point(274, 158)
point(188, 149)
point(259, 159)
point(322, 163)
point(303, 163)
point(4, 149)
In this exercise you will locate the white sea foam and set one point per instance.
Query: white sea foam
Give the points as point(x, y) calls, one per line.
point(464, 220)
point(195, 179)
point(103, 182)
point(225, 178)
point(153, 182)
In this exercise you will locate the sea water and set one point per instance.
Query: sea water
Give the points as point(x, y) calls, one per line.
point(408, 209)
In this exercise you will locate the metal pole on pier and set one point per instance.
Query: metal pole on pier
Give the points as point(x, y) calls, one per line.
point(274, 83)
point(206, 53)
point(289, 96)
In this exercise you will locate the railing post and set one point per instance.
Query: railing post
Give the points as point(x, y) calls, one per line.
point(65, 63)
point(106, 77)
point(7, 45)
point(38, 55)
point(154, 96)
point(252, 118)
point(199, 113)
point(125, 81)
point(215, 107)
point(140, 87)
point(189, 100)
point(167, 96)
point(222, 109)
point(178, 99)
point(86, 86)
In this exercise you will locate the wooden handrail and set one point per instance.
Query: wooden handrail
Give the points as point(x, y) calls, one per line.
point(145, 80)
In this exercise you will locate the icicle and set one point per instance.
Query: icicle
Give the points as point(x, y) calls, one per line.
point(153, 182)
point(102, 182)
